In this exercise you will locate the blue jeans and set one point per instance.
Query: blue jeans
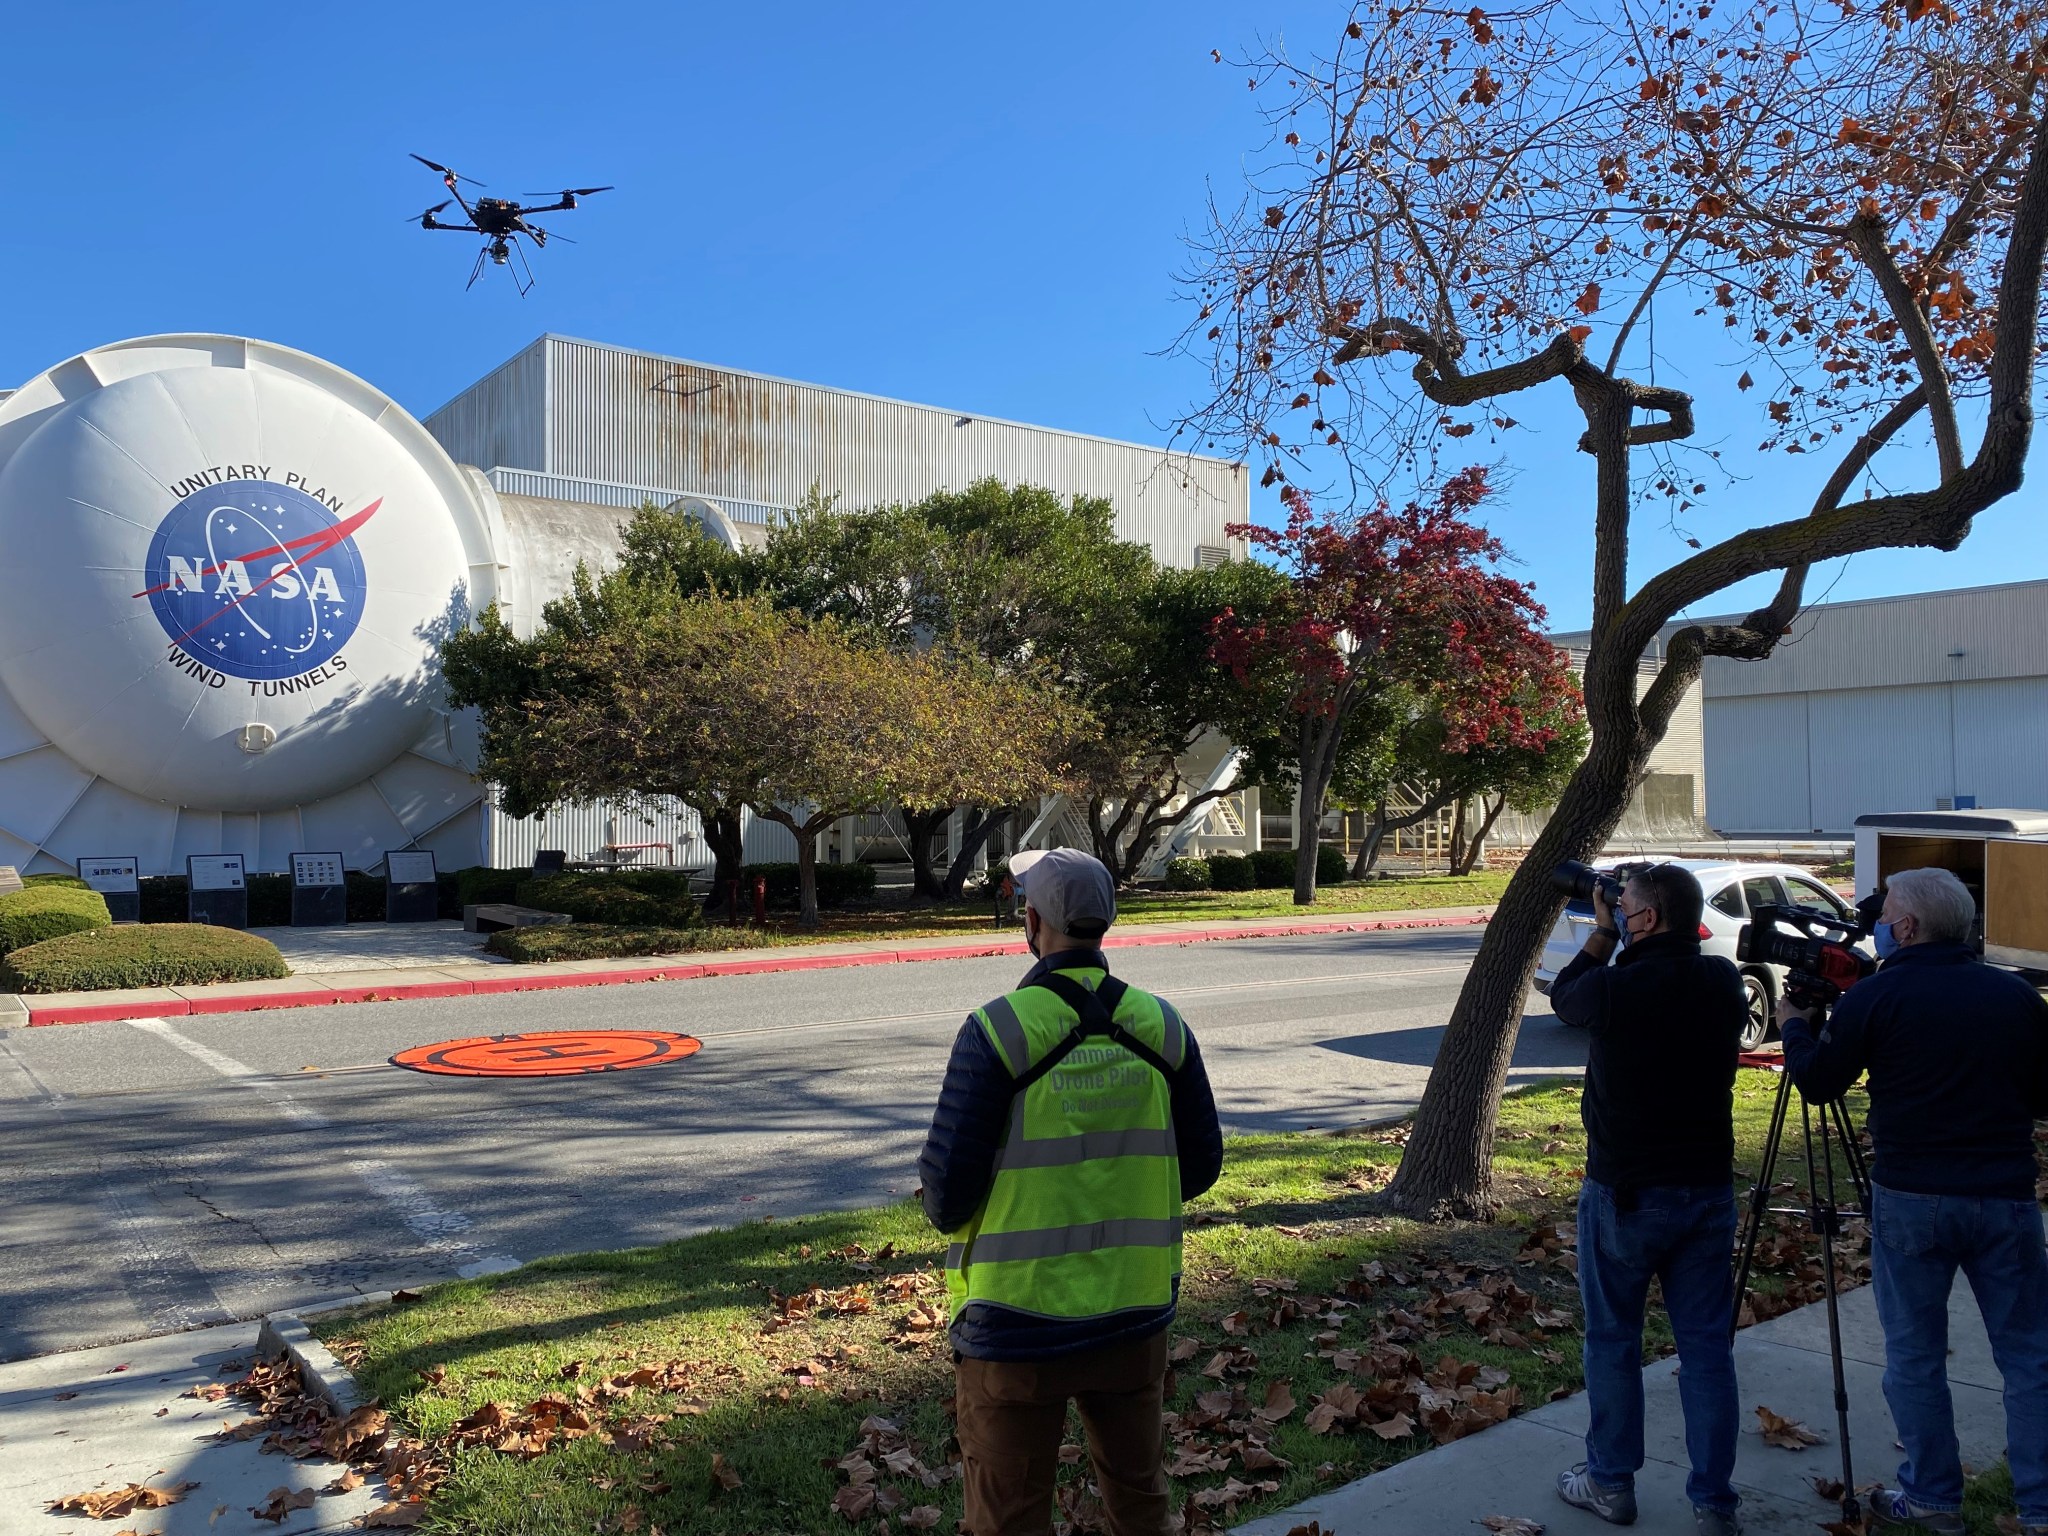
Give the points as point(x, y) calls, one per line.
point(1686, 1238)
point(1918, 1242)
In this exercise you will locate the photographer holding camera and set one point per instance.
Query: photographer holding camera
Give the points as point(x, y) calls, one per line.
point(1659, 1198)
point(1957, 1053)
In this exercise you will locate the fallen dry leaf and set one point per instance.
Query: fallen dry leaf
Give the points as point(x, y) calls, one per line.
point(393, 1517)
point(281, 1502)
point(1399, 1427)
point(113, 1503)
point(1511, 1525)
point(922, 1517)
point(1789, 1434)
point(722, 1472)
point(1279, 1402)
point(854, 1501)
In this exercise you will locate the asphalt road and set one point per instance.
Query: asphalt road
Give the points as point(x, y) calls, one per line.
point(168, 1174)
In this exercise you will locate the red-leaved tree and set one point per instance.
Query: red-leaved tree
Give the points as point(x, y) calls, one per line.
point(1388, 600)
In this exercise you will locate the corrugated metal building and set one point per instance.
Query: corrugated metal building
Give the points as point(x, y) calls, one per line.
point(573, 435)
point(1893, 704)
point(581, 421)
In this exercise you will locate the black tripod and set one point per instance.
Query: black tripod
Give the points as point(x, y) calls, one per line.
point(1822, 1126)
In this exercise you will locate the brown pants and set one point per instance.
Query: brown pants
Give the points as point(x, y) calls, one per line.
point(1013, 1416)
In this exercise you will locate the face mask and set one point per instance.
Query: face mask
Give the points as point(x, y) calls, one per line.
point(1887, 942)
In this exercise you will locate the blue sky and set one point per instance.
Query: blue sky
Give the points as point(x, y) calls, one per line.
point(976, 206)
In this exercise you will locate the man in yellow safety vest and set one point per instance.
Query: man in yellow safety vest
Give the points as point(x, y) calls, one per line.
point(1075, 1118)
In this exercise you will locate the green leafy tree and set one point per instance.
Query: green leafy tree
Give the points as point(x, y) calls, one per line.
point(727, 703)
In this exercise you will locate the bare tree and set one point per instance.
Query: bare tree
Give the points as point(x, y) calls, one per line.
point(1456, 205)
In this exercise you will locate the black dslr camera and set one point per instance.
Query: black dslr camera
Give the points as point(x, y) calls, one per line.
point(1580, 881)
point(1821, 964)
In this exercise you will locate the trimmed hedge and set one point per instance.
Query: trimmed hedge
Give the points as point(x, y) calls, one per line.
point(165, 955)
point(1188, 875)
point(837, 885)
point(578, 941)
point(1332, 867)
point(1229, 872)
point(480, 884)
point(68, 882)
point(620, 898)
point(38, 912)
point(1273, 869)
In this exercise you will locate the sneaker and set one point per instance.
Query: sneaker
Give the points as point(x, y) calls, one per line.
point(1617, 1506)
point(1890, 1507)
point(1714, 1522)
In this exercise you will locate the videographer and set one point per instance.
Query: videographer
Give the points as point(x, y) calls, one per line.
point(1957, 1053)
point(1659, 1197)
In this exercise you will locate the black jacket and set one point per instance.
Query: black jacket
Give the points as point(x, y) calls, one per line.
point(1666, 1024)
point(958, 1170)
point(1958, 1058)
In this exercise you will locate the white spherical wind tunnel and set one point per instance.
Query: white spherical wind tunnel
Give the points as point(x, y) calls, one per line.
point(230, 567)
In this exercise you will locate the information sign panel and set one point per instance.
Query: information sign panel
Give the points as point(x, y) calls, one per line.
point(118, 880)
point(411, 890)
point(216, 890)
point(319, 891)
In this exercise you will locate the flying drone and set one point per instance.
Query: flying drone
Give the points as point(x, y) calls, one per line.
point(501, 222)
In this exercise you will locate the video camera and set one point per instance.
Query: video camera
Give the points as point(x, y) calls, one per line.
point(1821, 968)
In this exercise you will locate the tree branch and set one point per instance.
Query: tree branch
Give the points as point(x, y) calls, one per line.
point(1867, 240)
point(1438, 375)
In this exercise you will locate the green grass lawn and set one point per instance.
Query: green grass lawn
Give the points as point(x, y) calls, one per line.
point(770, 1345)
point(1399, 893)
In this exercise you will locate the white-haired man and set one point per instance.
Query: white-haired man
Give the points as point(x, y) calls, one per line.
point(1957, 1053)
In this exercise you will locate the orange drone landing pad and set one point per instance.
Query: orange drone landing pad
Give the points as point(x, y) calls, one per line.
point(570, 1053)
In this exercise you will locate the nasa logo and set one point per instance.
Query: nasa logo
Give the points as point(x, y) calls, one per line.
point(256, 580)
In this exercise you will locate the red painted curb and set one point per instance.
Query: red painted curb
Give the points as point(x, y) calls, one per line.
point(315, 996)
point(99, 1013)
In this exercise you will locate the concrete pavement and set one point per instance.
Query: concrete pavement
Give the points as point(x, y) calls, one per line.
point(202, 1169)
point(1783, 1364)
point(103, 1418)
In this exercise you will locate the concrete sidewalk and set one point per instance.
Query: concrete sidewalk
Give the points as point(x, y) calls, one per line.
point(102, 1418)
point(413, 980)
point(1782, 1365)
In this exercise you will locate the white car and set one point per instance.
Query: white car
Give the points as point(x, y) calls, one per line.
point(1732, 890)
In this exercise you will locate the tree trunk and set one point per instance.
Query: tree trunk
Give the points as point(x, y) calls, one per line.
point(1455, 864)
point(921, 830)
point(1318, 763)
point(1475, 850)
point(724, 837)
point(806, 874)
point(1369, 847)
point(1446, 1172)
point(980, 825)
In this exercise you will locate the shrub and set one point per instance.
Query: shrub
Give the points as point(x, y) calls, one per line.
point(613, 898)
point(1331, 865)
point(1273, 869)
point(480, 884)
point(163, 898)
point(68, 882)
point(579, 941)
point(1229, 872)
point(165, 955)
point(1188, 875)
point(38, 912)
point(837, 884)
point(270, 900)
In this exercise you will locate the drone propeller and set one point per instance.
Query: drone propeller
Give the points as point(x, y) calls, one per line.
point(545, 235)
point(431, 211)
point(432, 166)
point(571, 192)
